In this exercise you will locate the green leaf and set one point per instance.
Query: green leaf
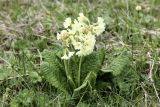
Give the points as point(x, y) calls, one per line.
point(53, 71)
point(35, 77)
point(123, 76)
point(118, 64)
point(126, 80)
point(92, 63)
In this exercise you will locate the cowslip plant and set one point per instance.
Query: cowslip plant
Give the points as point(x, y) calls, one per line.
point(76, 69)
point(79, 38)
point(73, 67)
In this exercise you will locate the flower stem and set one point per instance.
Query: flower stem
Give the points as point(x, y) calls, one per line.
point(79, 72)
point(68, 75)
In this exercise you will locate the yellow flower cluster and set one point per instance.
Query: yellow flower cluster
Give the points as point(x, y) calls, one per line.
point(79, 36)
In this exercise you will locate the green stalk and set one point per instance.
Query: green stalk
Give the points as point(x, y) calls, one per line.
point(79, 72)
point(67, 74)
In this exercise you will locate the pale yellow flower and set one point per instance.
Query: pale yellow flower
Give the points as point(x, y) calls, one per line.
point(66, 57)
point(82, 19)
point(58, 36)
point(67, 22)
point(70, 54)
point(138, 8)
point(76, 26)
point(87, 46)
point(63, 35)
point(100, 27)
point(90, 40)
point(84, 51)
point(100, 20)
point(70, 31)
point(77, 45)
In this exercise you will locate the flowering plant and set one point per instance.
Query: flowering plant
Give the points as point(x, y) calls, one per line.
point(74, 66)
point(79, 38)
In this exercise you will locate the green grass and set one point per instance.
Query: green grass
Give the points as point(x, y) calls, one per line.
point(26, 29)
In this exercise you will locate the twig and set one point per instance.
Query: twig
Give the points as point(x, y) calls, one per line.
point(150, 77)
point(40, 55)
point(156, 91)
point(145, 94)
point(6, 61)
